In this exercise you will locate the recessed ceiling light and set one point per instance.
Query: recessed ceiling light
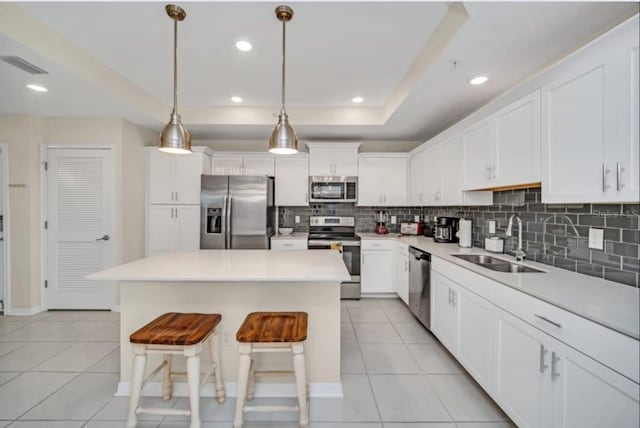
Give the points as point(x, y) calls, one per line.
point(244, 46)
point(357, 100)
point(478, 80)
point(236, 99)
point(37, 88)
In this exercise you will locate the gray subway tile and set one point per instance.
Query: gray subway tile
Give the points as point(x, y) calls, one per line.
point(631, 264)
point(623, 221)
point(619, 249)
point(623, 277)
point(600, 258)
point(631, 236)
point(591, 270)
point(565, 264)
point(590, 220)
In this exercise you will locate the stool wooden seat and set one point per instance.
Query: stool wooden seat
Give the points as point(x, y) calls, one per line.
point(175, 334)
point(271, 332)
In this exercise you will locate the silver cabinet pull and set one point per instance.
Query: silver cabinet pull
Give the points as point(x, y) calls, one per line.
point(543, 352)
point(171, 212)
point(406, 266)
point(176, 213)
point(618, 169)
point(453, 297)
point(176, 196)
point(449, 296)
point(543, 318)
point(306, 198)
point(604, 178)
point(363, 259)
point(104, 238)
point(287, 245)
point(554, 366)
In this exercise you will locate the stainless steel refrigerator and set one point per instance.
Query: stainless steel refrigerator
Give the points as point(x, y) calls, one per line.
point(237, 212)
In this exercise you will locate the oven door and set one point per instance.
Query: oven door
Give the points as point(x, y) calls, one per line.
point(351, 257)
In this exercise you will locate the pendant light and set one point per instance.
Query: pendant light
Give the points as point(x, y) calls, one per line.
point(175, 138)
point(283, 138)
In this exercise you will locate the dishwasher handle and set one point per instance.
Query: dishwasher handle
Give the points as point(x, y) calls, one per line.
point(419, 254)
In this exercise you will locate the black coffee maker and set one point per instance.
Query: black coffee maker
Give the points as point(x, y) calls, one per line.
point(446, 229)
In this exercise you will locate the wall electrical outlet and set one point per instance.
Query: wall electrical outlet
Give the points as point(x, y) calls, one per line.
point(492, 226)
point(297, 219)
point(596, 238)
point(228, 335)
point(394, 220)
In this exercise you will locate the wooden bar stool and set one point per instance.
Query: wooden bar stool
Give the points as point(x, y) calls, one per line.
point(175, 334)
point(271, 332)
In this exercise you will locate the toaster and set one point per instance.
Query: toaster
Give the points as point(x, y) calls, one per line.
point(411, 228)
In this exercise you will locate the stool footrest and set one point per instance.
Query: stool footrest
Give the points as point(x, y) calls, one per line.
point(273, 372)
point(271, 408)
point(163, 411)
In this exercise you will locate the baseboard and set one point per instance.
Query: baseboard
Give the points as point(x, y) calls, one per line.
point(265, 389)
point(23, 312)
point(379, 295)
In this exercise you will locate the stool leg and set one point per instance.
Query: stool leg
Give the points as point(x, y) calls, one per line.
point(167, 385)
point(251, 386)
point(215, 356)
point(137, 377)
point(301, 382)
point(193, 377)
point(244, 364)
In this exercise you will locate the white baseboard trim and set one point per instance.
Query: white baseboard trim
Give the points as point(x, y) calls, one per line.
point(24, 312)
point(264, 389)
point(379, 295)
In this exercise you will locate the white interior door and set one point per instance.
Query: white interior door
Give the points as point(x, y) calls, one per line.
point(80, 228)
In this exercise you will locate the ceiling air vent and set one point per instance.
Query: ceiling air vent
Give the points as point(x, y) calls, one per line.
point(23, 64)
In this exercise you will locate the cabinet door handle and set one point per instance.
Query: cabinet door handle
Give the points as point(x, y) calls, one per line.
point(176, 213)
point(176, 196)
point(604, 179)
point(554, 366)
point(287, 245)
point(543, 318)
point(493, 172)
point(618, 170)
point(449, 296)
point(306, 198)
point(453, 297)
point(362, 259)
point(406, 266)
point(543, 352)
point(171, 212)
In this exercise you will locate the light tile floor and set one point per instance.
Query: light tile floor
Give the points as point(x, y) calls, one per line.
point(60, 370)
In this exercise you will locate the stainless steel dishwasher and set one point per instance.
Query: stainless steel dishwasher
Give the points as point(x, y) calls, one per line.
point(420, 285)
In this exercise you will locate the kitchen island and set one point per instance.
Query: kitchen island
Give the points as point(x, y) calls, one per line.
point(234, 283)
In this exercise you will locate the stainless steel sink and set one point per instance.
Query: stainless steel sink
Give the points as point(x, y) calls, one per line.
point(496, 264)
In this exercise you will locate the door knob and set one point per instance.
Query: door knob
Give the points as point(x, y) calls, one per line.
point(104, 238)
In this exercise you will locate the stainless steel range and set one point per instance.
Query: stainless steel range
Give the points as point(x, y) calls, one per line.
point(341, 233)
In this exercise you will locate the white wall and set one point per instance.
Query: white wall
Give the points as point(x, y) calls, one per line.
point(263, 145)
point(25, 135)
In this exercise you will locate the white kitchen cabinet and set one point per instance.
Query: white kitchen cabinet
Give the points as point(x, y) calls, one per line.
point(445, 305)
point(382, 180)
point(479, 159)
point(521, 370)
point(417, 179)
point(517, 143)
point(452, 173)
point(587, 124)
point(475, 348)
point(172, 228)
point(541, 382)
point(174, 179)
point(288, 244)
point(433, 175)
point(401, 267)
point(376, 269)
point(333, 159)
point(243, 164)
point(292, 180)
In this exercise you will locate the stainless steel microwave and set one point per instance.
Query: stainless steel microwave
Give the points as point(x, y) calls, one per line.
point(333, 189)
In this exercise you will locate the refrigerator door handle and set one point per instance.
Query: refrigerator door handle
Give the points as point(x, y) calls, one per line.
point(224, 220)
point(228, 216)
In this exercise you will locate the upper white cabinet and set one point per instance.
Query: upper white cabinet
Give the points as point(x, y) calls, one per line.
point(504, 148)
point(436, 176)
point(417, 179)
point(517, 143)
point(292, 180)
point(333, 159)
point(590, 123)
point(243, 164)
point(382, 179)
point(175, 179)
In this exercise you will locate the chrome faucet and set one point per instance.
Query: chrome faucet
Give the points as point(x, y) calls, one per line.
point(520, 254)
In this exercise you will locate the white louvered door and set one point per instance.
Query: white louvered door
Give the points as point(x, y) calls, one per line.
point(80, 226)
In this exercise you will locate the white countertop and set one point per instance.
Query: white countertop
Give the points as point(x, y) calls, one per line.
point(613, 305)
point(294, 236)
point(232, 266)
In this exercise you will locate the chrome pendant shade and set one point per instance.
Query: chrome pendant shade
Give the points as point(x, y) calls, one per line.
point(283, 138)
point(175, 138)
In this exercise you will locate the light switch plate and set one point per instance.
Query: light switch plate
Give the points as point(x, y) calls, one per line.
point(492, 226)
point(596, 238)
point(297, 219)
point(416, 218)
point(394, 220)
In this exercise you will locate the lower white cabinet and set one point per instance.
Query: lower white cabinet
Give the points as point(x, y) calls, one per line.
point(445, 301)
point(475, 345)
point(376, 271)
point(401, 267)
point(172, 227)
point(288, 244)
point(541, 382)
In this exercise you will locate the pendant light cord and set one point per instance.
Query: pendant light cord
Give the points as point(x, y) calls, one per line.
point(284, 54)
point(175, 65)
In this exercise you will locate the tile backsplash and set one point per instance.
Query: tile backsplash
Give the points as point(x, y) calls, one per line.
point(553, 234)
